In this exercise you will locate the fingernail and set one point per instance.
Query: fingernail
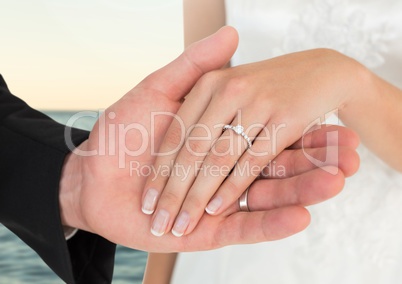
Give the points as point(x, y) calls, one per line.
point(148, 205)
point(214, 205)
point(181, 224)
point(160, 223)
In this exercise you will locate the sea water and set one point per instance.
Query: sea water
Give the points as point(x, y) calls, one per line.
point(19, 264)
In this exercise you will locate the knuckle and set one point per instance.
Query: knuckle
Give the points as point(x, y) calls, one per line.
point(219, 160)
point(222, 148)
point(232, 188)
point(236, 83)
point(186, 158)
point(195, 147)
point(294, 159)
point(233, 86)
point(226, 84)
point(194, 202)
point(210, 77)
point(250, 159)
point(170, 198)
point(174, 137)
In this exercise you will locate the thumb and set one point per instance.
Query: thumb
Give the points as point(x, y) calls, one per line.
point(177, 78)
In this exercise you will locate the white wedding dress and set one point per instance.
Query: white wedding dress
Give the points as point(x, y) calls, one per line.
point(356, 237)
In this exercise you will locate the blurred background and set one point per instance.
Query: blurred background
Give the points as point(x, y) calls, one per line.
point(71, 55)
point(62, 57)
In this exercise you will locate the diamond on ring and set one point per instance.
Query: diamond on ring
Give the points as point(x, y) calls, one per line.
point(240, 131)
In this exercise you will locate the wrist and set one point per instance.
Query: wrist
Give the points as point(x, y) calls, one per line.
point(70, 190)
point(359, 91)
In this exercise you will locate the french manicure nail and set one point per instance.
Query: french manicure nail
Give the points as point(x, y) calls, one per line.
point(181, 224)
point(214, 205)
point(148, 205)
point(160, 223)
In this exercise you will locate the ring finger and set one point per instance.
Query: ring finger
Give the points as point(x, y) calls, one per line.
point(216, 167)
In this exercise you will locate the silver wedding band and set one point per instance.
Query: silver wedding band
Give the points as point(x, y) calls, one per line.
point(240, 131)
point(243, 201)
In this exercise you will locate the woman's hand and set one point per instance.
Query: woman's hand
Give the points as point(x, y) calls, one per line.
point(276, 201)
point(102, 181)
point(310, 171)
point(274, 100)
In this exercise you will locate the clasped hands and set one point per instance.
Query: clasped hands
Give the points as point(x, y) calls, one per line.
point(101, 193)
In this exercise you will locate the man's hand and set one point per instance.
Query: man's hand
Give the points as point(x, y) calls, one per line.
point(103, 179)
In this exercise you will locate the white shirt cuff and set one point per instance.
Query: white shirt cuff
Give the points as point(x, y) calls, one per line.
point(69, 232)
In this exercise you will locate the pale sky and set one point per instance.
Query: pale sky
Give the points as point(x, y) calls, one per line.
point(85, 54)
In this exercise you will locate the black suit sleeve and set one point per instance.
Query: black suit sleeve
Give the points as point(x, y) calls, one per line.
point(32, 152)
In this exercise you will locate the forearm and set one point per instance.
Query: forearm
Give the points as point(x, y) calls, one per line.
point(375, 113)
point(159, 268)
point(202, 18)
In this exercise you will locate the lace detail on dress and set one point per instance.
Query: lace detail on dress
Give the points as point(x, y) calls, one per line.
point(362, 221)
point(334, 24)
